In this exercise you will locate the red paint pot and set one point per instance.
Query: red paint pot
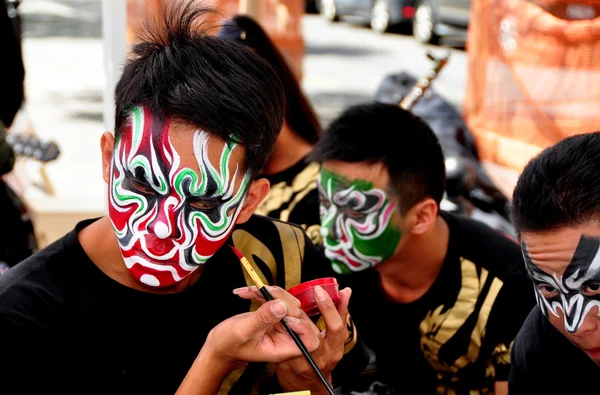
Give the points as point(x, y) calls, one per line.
point(306, 295)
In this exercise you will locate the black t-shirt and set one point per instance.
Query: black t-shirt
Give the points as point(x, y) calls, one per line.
point(66, 327)
point(546, 362)
point(294, 198)
point(456, 338)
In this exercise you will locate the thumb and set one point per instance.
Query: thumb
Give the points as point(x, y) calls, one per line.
point(270, 313)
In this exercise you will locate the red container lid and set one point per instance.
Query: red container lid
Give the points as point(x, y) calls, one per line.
point(310, 284)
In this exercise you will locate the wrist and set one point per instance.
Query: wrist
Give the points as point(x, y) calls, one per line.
point(216, 359)
point(206, 373)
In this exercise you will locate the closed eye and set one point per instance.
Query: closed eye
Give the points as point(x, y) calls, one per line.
point(355, 214)
point(142, 186)
point(204, 205)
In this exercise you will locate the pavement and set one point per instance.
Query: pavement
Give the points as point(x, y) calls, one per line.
point(63, 53)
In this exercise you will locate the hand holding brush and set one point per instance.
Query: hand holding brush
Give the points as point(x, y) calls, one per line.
point(312, 370)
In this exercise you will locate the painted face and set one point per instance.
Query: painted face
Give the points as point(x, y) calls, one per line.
point(169, 219)
point(576, 290)
point(356, 223)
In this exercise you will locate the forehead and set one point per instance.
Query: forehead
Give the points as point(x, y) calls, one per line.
point(375, 175)
point(553, 251)
point(184, 139)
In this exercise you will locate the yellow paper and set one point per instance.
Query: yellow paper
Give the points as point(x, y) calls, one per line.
point(294, 393)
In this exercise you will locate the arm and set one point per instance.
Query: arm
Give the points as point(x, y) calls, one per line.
point(524, 351)
point(198, 382)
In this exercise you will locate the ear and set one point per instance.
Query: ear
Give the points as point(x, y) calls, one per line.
point(422, 216)
point(256, 193)
point(107, 144)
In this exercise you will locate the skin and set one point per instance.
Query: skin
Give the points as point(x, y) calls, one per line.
point(419, 254)
point(552, 253)
point(242, 334)
point(296, 373)
point(258, 336)
point(289, 149)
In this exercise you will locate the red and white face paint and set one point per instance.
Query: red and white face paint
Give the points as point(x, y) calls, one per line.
point(169, 219)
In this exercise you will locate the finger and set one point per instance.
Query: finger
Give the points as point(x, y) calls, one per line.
point(253, 293)
point(280, 293)
point(334, 323)
point(249, 293)
point(304, 329)
point(268, 315)
point(342, 307)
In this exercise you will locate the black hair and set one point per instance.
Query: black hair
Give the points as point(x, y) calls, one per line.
point(178, 70)
point(560, 187)
point(387, 134)
point(300, 115)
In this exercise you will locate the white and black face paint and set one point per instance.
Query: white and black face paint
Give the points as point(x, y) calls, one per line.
point(576, 291)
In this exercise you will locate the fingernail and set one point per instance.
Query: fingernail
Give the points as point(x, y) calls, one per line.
point(238, 291)
point(291, 320)
point(320, 293)
point(349, 290)
point(280, 308)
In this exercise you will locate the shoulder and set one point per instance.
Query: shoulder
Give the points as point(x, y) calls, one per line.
point(282, 248)
point(539, 343)
point(527, 344)
point(33, 290)
point(541, 351)
point(485, 247)
point(271, 232)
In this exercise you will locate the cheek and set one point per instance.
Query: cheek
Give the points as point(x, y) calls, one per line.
point(557, 320)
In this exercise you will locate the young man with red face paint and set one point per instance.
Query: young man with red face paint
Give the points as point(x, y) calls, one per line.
point(556, 209)
point(141, 301)
point(455, 286)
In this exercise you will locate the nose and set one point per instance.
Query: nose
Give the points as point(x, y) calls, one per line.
point(164, 224)
point(589, 324)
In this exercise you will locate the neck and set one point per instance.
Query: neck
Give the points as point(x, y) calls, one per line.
point(289, 149)
point(100, 244)
point(410, 273)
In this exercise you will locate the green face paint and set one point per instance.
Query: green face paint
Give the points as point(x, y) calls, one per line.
point(356, 223)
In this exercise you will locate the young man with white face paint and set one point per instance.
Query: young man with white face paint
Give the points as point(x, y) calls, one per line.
point(455, 287)
point(141, 301)
point(556, 209)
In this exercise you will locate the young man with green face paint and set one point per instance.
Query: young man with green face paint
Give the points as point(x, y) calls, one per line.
point(362, 216)
point(455, 286)
point(152, 298)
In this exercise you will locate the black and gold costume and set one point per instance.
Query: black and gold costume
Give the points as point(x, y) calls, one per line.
point(67, 324)
point(294, 198)
point(456, 338)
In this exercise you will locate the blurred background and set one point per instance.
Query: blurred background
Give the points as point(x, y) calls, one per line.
point(521, 74)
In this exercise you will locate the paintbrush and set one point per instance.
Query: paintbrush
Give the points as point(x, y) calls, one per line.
point(265, 293)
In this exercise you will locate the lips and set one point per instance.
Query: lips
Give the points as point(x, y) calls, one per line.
point(592, 350)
